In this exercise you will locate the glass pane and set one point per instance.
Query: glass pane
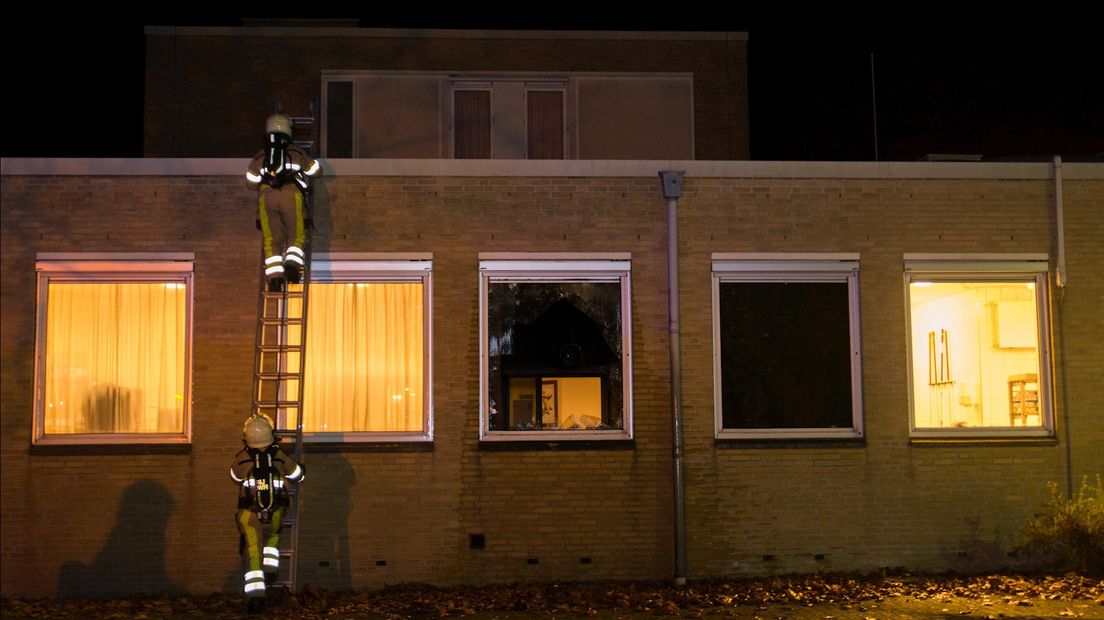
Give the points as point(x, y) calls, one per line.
point(115, 355)
point(975, 356)
point(339, 119)
point(785, 355)
point(554, 354)
point(365, 356)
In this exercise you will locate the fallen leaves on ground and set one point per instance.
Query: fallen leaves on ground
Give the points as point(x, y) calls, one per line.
point(582, 598)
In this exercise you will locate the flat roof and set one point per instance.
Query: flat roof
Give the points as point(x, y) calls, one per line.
point(329, 30)
point(190, 167)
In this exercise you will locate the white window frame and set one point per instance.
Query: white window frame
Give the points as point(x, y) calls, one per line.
point(789, 267)
point(1027, 268)
point(340, 267)
point(110, 268)
point(556, 267)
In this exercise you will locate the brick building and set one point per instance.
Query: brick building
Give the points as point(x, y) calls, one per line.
point(880, 365)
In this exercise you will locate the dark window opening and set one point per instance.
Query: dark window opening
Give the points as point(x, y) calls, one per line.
point(339, 119)
point(785, 355)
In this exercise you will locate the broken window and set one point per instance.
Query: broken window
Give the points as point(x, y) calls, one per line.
point(555, 342)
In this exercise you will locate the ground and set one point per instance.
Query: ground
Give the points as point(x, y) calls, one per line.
point(845, 597)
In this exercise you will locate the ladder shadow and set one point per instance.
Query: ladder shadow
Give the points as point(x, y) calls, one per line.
point(326, 503)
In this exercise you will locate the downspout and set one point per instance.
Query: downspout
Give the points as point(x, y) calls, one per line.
point(1060, 216)
point(1060, 281)
point(672, 190)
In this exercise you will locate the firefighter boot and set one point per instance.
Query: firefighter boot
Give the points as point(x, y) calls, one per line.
point(276, 285)
point(293, 271)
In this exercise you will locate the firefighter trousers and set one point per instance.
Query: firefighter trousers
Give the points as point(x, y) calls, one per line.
point(280, 214)
point(261, 555)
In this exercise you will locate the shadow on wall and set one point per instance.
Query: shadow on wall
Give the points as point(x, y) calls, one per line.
point(324, 539)
point(320, 231)
point(109, 408)
point(133, 559)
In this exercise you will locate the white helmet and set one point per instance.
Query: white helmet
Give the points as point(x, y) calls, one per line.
point(278, 123)
point(258, 431)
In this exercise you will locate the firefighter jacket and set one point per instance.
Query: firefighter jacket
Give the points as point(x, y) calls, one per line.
point(294, 167)
point(262, 476)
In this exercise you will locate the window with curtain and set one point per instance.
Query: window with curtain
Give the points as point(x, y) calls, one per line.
point(979, 351)
point(555, 349)
point(366, 375)
point(786, 336)
point(113, 348)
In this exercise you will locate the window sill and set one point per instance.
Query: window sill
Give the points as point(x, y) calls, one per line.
point(981, 442)
point(771, 435)
point(556, 445)
point(368, 446)
point(790, 442)
point(108, 449)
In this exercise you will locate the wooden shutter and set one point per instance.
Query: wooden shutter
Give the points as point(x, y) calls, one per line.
point(546, 124)
point(471, 124)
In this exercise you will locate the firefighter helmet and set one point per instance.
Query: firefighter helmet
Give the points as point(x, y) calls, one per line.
point(257, 431)
point(278, 124)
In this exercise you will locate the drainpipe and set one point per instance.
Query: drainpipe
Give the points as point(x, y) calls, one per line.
point(1060, 281)
point(1060, 216)
point(671, 181)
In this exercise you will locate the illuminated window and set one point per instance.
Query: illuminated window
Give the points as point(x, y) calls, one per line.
point(555, 348)
point(113, 348)
point(786, 346)
point(978, 346)
point(367, 368)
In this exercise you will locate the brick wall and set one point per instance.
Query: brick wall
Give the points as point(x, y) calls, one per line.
point(198, 104)
point(157, 519)
point(887, 502)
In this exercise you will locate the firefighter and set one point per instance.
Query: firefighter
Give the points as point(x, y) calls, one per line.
point(262, 471)
point(282, 174)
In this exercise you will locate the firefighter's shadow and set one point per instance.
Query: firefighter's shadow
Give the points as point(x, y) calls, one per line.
point(132, 561)
point(320, 227)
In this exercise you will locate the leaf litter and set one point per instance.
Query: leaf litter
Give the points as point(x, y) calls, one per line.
point(582, 599)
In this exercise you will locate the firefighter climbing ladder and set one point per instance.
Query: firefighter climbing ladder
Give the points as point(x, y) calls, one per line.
point(278, 390)
point(279, 360)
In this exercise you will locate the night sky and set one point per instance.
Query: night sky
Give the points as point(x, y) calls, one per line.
point(1004, 86)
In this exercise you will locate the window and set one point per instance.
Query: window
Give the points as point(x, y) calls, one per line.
point(507, 115)
point(508, 118)
point(368, 348)
point(545, 124)
point(786, 346)
point(113, 348)
point(555, 347)
point(471, 124)
point(978, 350)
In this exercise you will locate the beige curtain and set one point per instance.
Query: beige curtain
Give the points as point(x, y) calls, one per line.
point(364, 358)
point(115, 357)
